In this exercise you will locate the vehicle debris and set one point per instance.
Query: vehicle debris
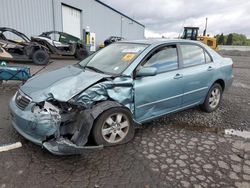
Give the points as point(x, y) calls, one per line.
point(7, 147)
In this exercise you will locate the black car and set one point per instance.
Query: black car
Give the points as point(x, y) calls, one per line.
point(112, 39)
point(62, 44)
point(16, 46)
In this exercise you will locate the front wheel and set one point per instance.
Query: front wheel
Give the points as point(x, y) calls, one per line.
point(81, 54)
point(40, 57)
point(213, 98)
point(114, 126)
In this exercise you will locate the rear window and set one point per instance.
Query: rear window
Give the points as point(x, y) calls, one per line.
point(208, 58)
point(192, 55)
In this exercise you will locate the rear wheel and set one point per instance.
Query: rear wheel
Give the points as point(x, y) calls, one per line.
point(112, 127)
point(81, 54)
point(40, 57)
point(213, 98)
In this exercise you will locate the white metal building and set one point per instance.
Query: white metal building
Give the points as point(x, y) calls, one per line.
point(33, 17)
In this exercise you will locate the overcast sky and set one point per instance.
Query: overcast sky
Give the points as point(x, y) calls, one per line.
point(168, 17)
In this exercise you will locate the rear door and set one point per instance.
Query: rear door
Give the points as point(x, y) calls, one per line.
point(198, 72)
point(162, 93)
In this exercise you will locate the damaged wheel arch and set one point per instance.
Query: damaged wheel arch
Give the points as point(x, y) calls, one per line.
point(81, 129)
point(113, 126)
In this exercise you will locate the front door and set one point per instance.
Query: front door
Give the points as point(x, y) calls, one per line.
point(162, 93)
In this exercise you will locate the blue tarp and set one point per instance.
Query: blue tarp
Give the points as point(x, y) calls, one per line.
point(14, 73)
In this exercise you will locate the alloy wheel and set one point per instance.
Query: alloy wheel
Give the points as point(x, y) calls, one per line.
point(214, 98)
point(115, 128)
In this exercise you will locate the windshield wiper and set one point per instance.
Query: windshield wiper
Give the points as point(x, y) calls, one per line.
point(94, 69)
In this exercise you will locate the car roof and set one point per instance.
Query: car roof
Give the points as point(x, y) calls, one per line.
point(59, 32)
point(3, 29)
point(159, 41)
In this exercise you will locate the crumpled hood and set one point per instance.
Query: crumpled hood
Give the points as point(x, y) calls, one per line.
point(61, 84)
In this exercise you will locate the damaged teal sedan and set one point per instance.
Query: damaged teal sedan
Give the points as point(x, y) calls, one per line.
point(110, 93)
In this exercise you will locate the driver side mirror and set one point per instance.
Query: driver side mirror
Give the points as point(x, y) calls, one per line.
point(146, 71)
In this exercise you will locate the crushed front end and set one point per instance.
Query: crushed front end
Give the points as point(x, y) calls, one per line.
point(60, 119)
point(52, 124)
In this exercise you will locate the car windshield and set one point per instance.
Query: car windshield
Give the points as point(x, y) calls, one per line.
point(113, 59)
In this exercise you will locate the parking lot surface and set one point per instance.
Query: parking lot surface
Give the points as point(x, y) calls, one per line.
point(186, 149)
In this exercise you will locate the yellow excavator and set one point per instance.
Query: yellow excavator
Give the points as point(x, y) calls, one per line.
point(191, 33)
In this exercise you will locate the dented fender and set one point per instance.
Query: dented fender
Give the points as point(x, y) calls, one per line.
point(117, 92)
point(119, 89)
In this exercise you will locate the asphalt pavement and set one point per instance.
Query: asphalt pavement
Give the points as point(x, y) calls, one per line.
point(185, 149)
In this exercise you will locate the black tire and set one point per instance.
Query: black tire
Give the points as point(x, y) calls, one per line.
point(100, 124)
point(206, 106)
point(81, 54)
point(40, 57)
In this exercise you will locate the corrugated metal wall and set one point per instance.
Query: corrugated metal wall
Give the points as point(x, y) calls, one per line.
point(35, 16)
point(105, 22)
point(101, 20)
point(31, 17)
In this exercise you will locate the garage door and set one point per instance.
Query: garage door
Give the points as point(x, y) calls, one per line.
point(71, 20)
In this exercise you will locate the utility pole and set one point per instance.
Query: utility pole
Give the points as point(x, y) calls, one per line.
point(53, 14)
point(121, 24)
point(205, 31)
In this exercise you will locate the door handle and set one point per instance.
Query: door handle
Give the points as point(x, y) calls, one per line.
point(210, 68)
point(178, 76)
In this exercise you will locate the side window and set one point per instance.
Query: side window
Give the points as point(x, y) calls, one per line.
point(208, 58)
point(64, 38)
point(192, 55)
point(164, 59)
point(55, 36)
point(12, 36)
point(189, 33)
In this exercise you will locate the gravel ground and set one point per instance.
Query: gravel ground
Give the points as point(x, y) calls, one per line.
point(186, 149)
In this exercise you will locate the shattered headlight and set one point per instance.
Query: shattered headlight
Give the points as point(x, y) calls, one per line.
point(46, 108)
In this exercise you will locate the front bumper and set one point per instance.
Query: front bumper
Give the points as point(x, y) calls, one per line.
point(38, 129)
point(25, 135)
point(63, 146)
